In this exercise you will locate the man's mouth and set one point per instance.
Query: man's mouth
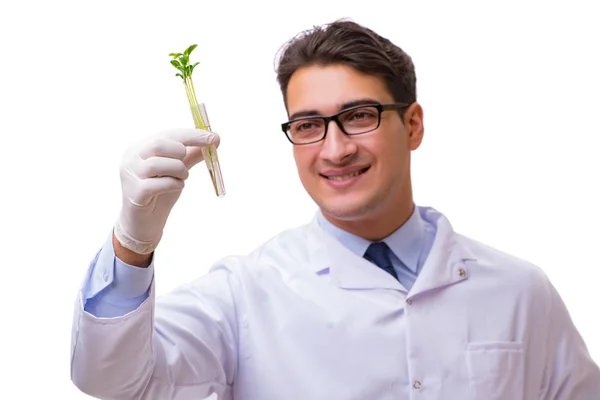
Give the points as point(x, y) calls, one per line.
point(346, 176)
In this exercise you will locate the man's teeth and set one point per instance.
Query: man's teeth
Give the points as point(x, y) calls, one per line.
point(347, 176)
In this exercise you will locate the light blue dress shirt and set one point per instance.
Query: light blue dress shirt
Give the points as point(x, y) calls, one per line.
point(130, 285)
point(410, 245)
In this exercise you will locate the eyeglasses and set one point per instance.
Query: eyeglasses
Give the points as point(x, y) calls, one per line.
point(352, 121)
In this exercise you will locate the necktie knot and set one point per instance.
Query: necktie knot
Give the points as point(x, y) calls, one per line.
point(379, 254)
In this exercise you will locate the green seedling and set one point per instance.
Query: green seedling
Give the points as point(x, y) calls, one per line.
point(181, 61)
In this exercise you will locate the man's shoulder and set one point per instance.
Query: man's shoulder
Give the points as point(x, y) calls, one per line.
point(491, 260)
point(485, 257)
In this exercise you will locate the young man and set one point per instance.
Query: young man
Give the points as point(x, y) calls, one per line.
point(376, 298)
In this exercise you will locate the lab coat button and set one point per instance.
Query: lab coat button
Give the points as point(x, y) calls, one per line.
point(462, 273)
point(417, 385)
point(409, 301)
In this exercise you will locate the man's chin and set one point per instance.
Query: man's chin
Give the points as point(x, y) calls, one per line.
point(344, 211)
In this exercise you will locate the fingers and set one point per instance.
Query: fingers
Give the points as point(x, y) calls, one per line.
point(157, 166)
point(162, 147)
point(143, 190)
point(192, 137)
point(161, 164)
point(180, 144)
point(194, 156)
point(150, 188)
point(169, 154)
point(216, 141)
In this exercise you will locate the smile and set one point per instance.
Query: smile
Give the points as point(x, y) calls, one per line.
point(346, 176)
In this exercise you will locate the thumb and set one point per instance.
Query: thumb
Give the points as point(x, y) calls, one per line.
point(194, 154)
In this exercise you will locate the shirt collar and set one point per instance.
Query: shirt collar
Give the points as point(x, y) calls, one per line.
point(406, 242)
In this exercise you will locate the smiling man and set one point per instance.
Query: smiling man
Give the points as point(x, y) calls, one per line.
point(375, 298)
point(360, 176)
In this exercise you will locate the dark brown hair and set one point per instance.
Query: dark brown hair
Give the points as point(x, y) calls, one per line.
point(346, 42)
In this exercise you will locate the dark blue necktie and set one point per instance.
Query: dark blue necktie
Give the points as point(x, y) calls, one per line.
point(379, 253)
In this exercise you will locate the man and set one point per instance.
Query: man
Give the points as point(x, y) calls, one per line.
point(376, 298)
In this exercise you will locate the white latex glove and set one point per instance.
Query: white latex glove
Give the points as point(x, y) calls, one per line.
point(153, 175)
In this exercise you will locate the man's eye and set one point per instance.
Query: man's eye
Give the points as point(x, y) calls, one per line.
point(362, 115)
point(304, 126)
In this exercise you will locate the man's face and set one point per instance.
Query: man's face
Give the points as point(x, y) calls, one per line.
point(380, 157)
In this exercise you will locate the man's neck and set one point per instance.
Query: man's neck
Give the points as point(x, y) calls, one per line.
point(377, 227)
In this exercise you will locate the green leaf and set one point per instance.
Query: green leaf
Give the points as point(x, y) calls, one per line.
point(181, 76)
point(189, 50)
point(175, 55)
point(175, 63)
point(184, 60)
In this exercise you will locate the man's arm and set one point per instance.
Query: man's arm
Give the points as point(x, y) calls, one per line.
point(126, 345)
point(113, 287)
point(181, 346)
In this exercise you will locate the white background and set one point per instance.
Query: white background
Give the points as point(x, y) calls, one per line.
point(510, 93)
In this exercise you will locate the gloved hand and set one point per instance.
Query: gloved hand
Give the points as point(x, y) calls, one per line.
point(153, 175)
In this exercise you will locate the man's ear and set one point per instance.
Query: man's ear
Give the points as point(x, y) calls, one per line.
point(413, 123)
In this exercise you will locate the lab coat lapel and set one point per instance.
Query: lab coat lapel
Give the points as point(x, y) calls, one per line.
point(345, 268)
point(448, 260)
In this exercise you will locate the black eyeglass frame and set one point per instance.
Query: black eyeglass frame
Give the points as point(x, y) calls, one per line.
point(327, 119)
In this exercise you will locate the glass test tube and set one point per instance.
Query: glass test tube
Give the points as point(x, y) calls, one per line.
point(211, 158)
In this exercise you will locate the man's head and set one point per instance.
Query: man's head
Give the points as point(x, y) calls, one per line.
point(348, 43)
point(326, 70)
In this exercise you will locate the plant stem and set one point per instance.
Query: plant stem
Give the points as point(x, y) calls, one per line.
point(189, 87)
point(193, 90)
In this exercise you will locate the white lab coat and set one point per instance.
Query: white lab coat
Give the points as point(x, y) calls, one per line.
point(302, 317)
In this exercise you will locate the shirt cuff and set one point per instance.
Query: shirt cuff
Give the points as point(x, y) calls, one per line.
point(116, 280)
point(129, 281)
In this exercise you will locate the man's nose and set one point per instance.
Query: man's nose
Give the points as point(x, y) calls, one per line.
point(337, 146)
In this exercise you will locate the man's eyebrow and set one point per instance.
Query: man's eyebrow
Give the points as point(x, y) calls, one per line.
point(359, 102)
point(343, 106)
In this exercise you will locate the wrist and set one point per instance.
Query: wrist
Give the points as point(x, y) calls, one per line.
point(129, 250)
point(132, 243)
point(129, 256)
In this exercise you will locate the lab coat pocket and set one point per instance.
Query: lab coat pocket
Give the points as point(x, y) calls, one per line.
point(495, 370)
